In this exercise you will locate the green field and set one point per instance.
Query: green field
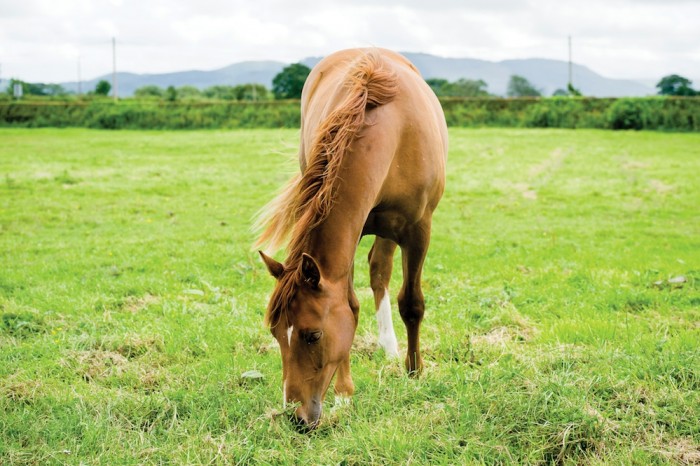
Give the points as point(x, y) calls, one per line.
point(562, 293)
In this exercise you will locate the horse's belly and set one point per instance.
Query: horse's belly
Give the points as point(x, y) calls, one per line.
point(389, 223)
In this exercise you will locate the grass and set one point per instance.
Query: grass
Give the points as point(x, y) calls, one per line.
point(562, 284)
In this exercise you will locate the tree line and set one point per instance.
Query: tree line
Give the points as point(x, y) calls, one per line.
point(289, 82)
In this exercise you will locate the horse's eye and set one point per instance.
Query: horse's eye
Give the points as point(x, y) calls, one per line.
point(312, 337)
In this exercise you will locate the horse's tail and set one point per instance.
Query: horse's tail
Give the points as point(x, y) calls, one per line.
point(308, 197)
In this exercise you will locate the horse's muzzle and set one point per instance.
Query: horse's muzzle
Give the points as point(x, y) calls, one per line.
point(308, 416)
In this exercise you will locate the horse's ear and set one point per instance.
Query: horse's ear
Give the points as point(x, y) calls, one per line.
point(276, 269)
point(310, 271)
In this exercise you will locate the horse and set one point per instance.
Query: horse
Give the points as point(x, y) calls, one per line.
point(372, 161)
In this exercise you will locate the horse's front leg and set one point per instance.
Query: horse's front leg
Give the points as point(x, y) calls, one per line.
point(344, 386)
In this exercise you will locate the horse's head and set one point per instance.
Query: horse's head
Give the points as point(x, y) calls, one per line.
point(314, 325)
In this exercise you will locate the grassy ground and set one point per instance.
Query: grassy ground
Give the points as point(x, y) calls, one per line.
point(562, 287)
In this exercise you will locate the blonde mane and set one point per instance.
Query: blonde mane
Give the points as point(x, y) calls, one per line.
point(308, 197)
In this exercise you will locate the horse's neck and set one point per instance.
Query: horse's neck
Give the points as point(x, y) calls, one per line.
point(334, 242)
point(334, 250)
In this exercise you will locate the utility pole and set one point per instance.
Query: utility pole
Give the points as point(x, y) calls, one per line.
point(80, 81)
point(571, 83)
point(114, 68)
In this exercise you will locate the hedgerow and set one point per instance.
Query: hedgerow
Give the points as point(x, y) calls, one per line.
point(648, 113)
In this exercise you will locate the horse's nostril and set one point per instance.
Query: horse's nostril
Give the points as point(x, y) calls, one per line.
point(305, 420)
point(301, 424)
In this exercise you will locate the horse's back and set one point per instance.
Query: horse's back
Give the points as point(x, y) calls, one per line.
point(403, 144)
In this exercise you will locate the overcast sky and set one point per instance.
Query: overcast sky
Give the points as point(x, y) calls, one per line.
point(44, 40)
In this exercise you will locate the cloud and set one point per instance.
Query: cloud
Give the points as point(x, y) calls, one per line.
point(40, 39)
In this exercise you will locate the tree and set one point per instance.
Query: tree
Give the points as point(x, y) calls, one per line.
point(150, 90)
point(521, 87)
point(676, 85)
point(438, 85)
point(171, 94)
point(467, 88)
point(460, 88)
point(251, 92)
point(570, 91)
point(573, 91)
point(188, 92)
point(241, 92)
point(290, 81)
point(103, 87)
point(220, 92)
point(36, 88)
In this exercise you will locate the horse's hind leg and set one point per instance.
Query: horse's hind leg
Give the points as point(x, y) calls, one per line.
point(414, 246)
point(381, 261)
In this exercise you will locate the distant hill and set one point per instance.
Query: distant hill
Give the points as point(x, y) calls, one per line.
point(547, 75)
point(239, 73)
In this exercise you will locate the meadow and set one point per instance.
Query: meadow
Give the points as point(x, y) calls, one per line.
point(562, 293)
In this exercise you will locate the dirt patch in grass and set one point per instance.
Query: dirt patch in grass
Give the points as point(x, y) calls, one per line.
point(20, 391)
point(659, 187)
point(267, 346)
point(365, 345)
point(525, 190)
point(634, 165)
point(683, 451)
point(150, 380)
point(551, 164)
point(132, 346)
point(135, 304)
point(98, 364)
point(501, 336)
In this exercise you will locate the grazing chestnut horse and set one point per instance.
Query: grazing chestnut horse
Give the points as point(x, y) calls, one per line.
point(373, 152)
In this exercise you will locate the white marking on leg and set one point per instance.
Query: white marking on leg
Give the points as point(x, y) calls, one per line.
point(284, 394)
point(387, 337)
point(341, 400)
point(289, 335)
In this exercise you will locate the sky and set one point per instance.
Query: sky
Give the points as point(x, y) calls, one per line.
point(58, 40)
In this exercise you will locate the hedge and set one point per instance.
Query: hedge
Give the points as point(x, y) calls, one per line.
point(649, 113)
point(135, 114)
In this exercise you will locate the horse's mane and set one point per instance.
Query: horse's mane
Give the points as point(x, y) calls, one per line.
point(308, 197)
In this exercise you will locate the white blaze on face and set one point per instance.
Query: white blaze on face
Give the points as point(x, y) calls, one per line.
point(290, 329)
point(387, 337)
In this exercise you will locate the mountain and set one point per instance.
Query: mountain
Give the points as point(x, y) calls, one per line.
point(553, 74)
point(547, 75)
point(239, 73)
